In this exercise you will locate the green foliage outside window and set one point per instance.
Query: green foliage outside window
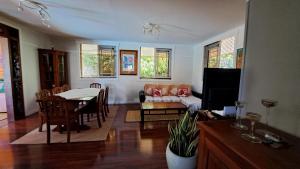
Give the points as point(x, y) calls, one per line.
point(147, 66)
point(155, 66)
point(162, 69)
point(97, 62)
point(227, 60)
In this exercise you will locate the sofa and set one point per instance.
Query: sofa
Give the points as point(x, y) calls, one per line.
point(171, 93)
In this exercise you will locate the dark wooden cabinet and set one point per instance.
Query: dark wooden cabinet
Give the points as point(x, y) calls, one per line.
point(53, 68)
point(221, 147)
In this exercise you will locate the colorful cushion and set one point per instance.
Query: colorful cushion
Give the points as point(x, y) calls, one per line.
point(183, 92)
point(148, 89)
point(157, 92)
point(189, 87)
point(164, 89)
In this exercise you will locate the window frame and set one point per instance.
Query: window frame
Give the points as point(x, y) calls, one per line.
point(170, 50)
point(99, 64)
point(218, 45)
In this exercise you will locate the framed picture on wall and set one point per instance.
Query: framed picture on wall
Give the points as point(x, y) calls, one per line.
point(128, 62)
point(239, 58)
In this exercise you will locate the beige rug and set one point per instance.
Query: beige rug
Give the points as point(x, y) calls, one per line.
point(3, 116)
point(135, 116)
point(93, 134)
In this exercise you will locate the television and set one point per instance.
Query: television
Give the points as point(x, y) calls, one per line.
point(220, 88)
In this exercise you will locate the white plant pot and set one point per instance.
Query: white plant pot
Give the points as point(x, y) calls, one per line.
point(177, 162)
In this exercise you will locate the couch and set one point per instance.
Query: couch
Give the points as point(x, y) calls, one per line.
point(171, 93)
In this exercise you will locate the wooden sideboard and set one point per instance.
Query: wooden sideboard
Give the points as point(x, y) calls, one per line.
point(221, 147)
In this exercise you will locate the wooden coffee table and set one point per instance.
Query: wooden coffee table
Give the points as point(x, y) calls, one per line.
point(150, 106)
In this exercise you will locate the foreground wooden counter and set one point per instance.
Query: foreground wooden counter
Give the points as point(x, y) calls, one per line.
point(221, 147)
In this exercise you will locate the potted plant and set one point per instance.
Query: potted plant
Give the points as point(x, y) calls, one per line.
point(181, 152)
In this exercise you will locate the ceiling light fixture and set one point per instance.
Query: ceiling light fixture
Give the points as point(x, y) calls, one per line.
point(39, 8)
point(151, 28)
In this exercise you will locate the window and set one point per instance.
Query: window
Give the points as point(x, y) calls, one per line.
point(155, 63)
point(97, 61)
point(220, 54)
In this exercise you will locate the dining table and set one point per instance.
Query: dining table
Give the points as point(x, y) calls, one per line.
point(83, 94)
point(81, 98)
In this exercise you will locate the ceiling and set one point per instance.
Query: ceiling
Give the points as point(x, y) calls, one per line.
point(181, 21)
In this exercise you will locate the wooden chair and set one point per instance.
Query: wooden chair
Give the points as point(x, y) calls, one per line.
point(42, 114)
point(57, 90)
point(94, 108)
point(60, 112)
point(65, 87)
point(105, 101)
point(95, 85)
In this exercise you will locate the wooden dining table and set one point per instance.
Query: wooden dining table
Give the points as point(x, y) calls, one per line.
point(77, 96)
point(84, 94)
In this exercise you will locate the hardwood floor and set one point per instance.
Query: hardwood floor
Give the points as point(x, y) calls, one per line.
point(128, 146)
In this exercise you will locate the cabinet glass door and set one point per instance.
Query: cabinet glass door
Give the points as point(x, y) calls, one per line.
point(61, 70)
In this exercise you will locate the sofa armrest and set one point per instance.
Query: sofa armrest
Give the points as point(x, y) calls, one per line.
point(198, 95)
point(142, 96)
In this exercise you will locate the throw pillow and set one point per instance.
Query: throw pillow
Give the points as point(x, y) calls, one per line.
point(173, 91)
point(156, 92)
point(182, 92)
point(149, 91)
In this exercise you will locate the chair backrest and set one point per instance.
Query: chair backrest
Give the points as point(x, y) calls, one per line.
point(65, 87)
point(95, 85)
point(43, 94)
point(100, 100)
point(57, 90)
point(106, 95)
point(56, 109)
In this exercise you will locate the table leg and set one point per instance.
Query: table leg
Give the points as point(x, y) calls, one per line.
point(142, 116)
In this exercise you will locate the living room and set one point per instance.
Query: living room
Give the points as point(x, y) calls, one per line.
point(260, 38)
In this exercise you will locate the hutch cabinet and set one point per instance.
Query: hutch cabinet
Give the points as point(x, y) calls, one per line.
point(53, 68)
point(221, 147)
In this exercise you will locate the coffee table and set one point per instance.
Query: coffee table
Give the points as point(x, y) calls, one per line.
point(150, 106)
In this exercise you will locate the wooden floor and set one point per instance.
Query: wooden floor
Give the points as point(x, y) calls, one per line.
point(128, 147)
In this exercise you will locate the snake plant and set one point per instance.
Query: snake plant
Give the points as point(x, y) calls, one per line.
point(184, 134)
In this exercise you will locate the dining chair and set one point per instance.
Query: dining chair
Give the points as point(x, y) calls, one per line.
point(57, 90)
point(65, 87)
point(42, 114)
point(60, 112)
point(105, 102)
point(94, 107)
point(95, 85)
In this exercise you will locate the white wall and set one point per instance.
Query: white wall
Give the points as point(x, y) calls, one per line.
point(237, 32)
point(272, 68)
point(30, 41)
point(124, 89)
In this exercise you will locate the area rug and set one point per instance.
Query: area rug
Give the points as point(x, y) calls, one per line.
point(135, 116)
point(3, 116)
point(93, 134)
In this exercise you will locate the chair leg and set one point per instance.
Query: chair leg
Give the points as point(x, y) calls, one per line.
point(88, 117)
point(48, 133)
point(107, 109)
point(78, 125)
point(81, 114)
point(98, 120)
point(103, 114)
point(41, 125)
point(68, 132)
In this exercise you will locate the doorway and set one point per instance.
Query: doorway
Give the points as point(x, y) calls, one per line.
point(3, 55)
point(11, 84)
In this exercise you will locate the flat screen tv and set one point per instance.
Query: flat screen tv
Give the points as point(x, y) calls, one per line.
point(220, 88)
